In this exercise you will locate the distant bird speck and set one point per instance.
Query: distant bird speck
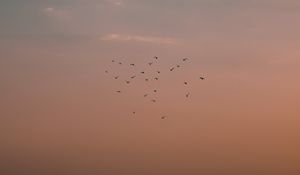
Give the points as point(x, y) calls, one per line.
point(172, 69)
point(106, 71)
point(116, 77)
point(163, 117)
point(118, 91)
point(132, 64)
point(185, 83)
point(150, 63)
point(143, 72)
point(132, 77)
point(153, 101)
point(187, 95)
point(155, 90)
point(202, 78)
point(158, 72)
point(184, 59)
point(156, 78)
point(146, 79)
point(120, 63)
point(127, 82)
point(145, 95)
point(178, 66)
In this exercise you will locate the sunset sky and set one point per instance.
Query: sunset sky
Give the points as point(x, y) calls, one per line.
point(59, 113)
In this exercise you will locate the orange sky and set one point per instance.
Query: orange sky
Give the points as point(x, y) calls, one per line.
point(59, 113)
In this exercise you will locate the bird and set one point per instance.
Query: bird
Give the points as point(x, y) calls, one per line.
point(156, 57)
point(113, 61)
point(145, 95)
point(132, 64)
point(155, 90)
point(184, 59)
point(143, 72)
point(120, 63)
point(163, 117)
point(150, 63)
point(133, 112)
point(116, 77)
point(185, 83)
point(202, 78)
point(106, 71)
point(127, 82)
point(146, 79)
point(153, 101)
point(156, 78)
point(132, 77)
point(187, 95)
point(158, 72)
point(178, 65)
point(172, 69)
point(118, 91)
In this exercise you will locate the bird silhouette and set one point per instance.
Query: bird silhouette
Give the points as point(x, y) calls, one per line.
point(143, 72)
point(118, 91)
point(132, 77)
point(150, 63)
point(120, 63)
point(106, 71)
point(184, 59)
point(146, 79)
point(133, 112)
point(132, 64)
point(127, 82)
point(187, 95)
point(172, 69)
point(156, 78)
point(163, 117)
point(113, 61)
point(156, 57)
point(153, 101)
point(158, 72)
point(116, 77)
point(155, 90)
point(178, 66)
point(145, 95)
point(202, 78)
point(185, 83)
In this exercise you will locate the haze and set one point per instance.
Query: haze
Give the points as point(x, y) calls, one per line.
point(59, 113)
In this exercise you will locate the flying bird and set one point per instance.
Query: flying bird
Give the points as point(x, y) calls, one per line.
point(116, 77)
point(150, 63)
point(158, 72)
point(202, 78)
point(156, 57)
point(118, 91)
point(113, 61)
point(132, 64)
point(153, 101)
point(185, 83)
point(156, 78)
point(163, 117)
point(172, 69)
point(146, 79)
point(120, 63)
point(178, 66)
point(145, 95)
point(155, 90)
point(127, 82)
point(184, 59)
point(133, 112)
point(132, 77)
point(106, 71)
point(187, 95)
point(143, 72)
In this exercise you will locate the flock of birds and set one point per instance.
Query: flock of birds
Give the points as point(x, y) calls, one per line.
point(157, 77)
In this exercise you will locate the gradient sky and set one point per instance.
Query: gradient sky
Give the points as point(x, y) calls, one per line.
point(59, 113)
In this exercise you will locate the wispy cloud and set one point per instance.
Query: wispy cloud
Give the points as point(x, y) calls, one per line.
point(136, 38)
point(56, 13)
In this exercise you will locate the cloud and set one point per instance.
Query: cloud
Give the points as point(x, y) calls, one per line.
point(136, 38)
point(56, 13)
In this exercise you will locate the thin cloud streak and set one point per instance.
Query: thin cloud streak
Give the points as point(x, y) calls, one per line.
point(136, 38)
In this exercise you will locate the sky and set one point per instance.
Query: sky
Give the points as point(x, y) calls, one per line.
point(59, 113)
